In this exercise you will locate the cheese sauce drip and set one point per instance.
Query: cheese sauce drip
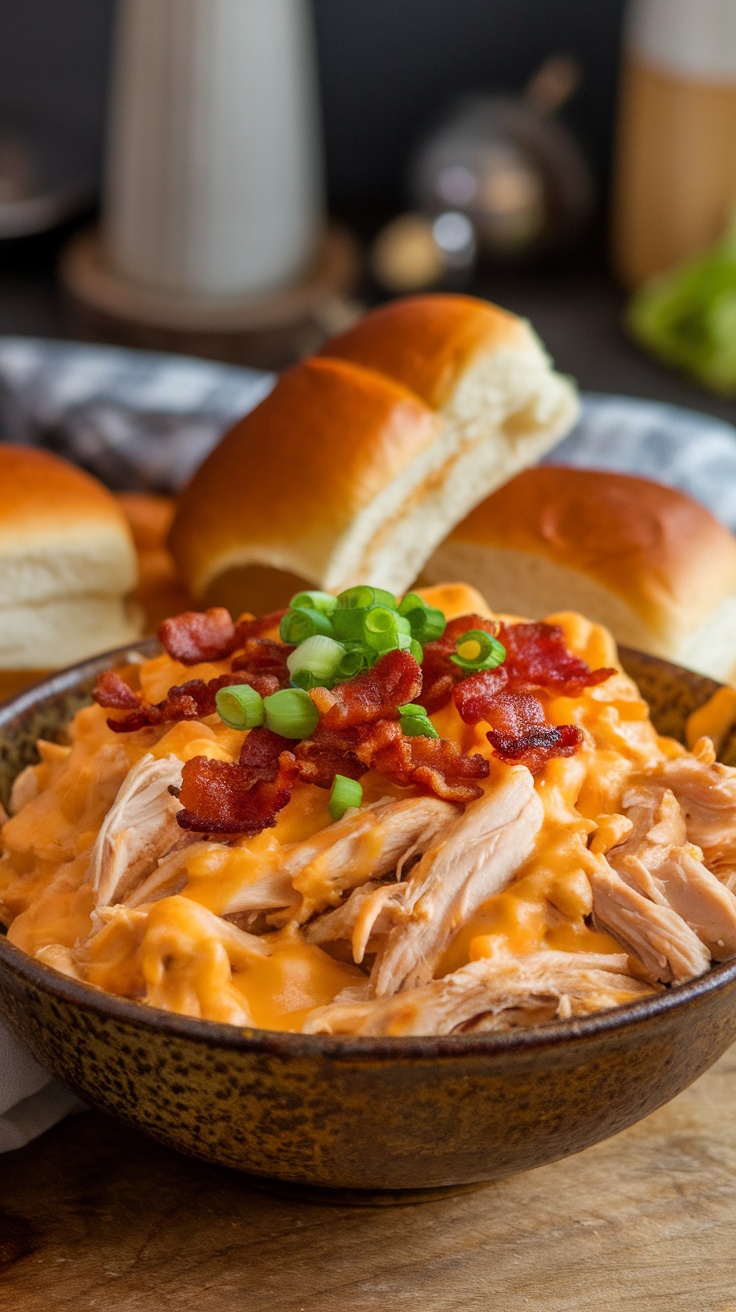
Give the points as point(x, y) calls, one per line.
point(167, 944)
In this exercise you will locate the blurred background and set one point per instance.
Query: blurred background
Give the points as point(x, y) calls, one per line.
point(423, 106)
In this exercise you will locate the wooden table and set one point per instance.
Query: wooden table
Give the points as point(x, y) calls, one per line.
point(95, 1217)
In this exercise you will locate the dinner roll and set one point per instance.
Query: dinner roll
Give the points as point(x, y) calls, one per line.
point(159, 591)
point(66, 564)
point(645, 560)
point(358, 463)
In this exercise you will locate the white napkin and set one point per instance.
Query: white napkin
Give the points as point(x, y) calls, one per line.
point(30, 1101)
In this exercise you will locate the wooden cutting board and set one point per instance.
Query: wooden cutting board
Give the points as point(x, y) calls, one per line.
point(95, 1217)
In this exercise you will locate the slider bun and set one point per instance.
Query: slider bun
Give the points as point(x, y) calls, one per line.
point(159, 591)
point(66, 562)
point(647, 561)
point(361, 459)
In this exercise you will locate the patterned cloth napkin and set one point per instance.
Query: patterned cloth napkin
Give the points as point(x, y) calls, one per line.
point(144, 422)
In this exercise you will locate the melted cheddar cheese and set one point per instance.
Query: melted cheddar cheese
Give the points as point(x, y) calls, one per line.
point(177, 953)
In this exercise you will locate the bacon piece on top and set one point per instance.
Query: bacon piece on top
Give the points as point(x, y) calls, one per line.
point(195, 636)
point(435, 763)
point(439, 674)
point(521, 734)
point(211, 635)
point(373, 695)
point(112, 692)
point(536, 657)
point(187, 701)
point(239, 797)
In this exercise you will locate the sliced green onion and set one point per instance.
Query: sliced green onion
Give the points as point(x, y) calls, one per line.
point(291, 713)
point(418, 726)
point(360, 597)
point(356, 658)
point(298, 625)
point(240, 706)
point(347, 625)
point(319, 656)
point(345, 793)
point(416, 650)
point(321, 601)
point(382, 629)
point(306, 680)
point(489, 652)
point(427, 622)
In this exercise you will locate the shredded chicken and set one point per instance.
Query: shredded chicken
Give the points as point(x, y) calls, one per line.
point(473, 858)
point(365, 844)
point(367, 914)
point(657, 860)
point(490, 992)
point(706, 792)
point(668, 948)
point(139, 828)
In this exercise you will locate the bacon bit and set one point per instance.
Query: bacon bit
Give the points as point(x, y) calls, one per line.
point(195, 636)
point(188, 701)
point(536, 657)
point(250, 626)
point(435, 763)
point(239, 797)
point(319, 761)
point(112, 692)
point(537, 746)
point(439, 675)
point(263, 656)
point(373, 695)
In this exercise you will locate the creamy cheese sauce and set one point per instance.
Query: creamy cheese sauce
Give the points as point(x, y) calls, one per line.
point(173, 953)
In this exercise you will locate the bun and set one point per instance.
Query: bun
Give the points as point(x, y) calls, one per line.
point(159, 591)
point(362, 458)
point(66, 563)
point(647, 561)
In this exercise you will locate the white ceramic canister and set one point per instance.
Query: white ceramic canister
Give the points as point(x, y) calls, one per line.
point(675, 181)
point(213, 176)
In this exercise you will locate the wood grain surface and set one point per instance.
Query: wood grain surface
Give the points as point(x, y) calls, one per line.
point(96, 1218)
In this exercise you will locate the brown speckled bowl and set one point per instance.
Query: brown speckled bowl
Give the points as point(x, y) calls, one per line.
point(374, 1114)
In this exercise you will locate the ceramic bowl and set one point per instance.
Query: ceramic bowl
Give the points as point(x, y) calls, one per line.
point(363, 1114)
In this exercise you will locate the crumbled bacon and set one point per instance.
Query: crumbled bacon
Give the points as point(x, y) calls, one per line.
point(439, 674)
point(435, 763)
point(187, 701)
point(536, 660)
point(211, 635)
point(536, 657)
point(195, 636)
point(520, 732)
point(112, 692)
point(239, 797)
point(263, 656)
point(373, 695)
point(320, 759)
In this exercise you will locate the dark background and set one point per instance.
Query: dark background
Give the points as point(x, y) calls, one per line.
point(387, 67)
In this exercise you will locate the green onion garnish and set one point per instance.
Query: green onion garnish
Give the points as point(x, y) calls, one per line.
point(416, 650)
point(345, 793)
point(298, 625)
point(291, 713)
point(360, 597)
point(382, 627)
point(322, 601)
point(481, 651)
point(427, 623)
point(318, 656)
point(347, 625)
point(356, 658)
point(240, 706)
point(415, 722)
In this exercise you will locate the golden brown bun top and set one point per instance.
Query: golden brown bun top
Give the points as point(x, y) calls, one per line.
point(648, 543)
point(426, 342)
point(287, 481)
point(42, 496)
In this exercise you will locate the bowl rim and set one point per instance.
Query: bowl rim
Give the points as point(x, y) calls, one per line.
point(286, 1043)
